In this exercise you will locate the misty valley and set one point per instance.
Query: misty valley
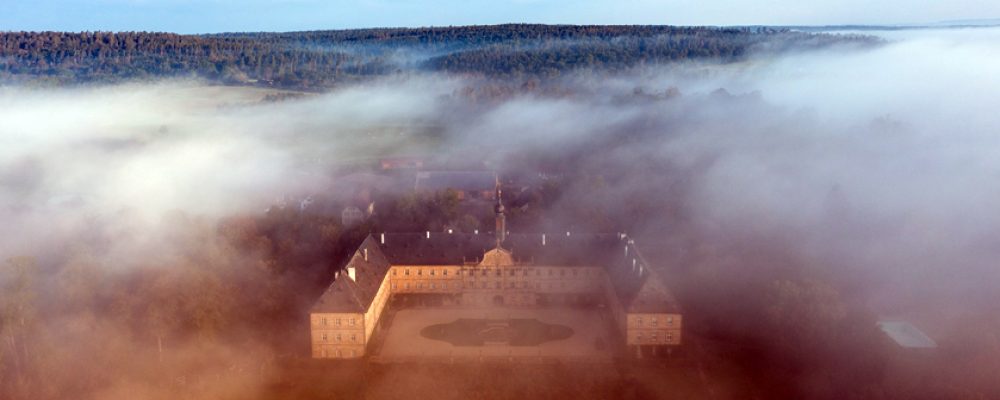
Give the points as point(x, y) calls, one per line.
point(509, 211)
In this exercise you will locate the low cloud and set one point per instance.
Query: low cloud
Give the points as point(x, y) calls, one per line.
point(881, 164)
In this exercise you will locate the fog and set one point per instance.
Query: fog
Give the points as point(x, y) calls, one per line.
point(148, 149)
point(888, 165)
point(878, 167)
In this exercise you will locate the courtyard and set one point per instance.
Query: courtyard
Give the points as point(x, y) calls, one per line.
point(496, 333)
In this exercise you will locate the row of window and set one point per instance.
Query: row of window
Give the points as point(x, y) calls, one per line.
point(432, 285)
point(497, 272)
point(482, 285)
point(654, 321)
point(524, 285)
point(654, 337)
point(339, 338)
point(339, 353)
point(420, 272)
point(336, 321)
point(528, 279)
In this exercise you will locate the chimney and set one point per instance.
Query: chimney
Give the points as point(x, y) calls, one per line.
point(351, 273)
point(382, 237)
point(366, 254)
point(543, 239)
point(428, 234)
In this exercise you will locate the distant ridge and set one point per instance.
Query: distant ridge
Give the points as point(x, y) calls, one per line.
point(991, 22)
point(954, 24)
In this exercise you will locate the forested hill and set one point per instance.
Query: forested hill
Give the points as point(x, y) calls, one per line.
point(319, 59)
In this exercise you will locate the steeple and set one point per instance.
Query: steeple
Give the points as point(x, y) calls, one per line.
point(501, 228)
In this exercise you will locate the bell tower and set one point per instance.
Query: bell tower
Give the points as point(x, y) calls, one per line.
point(501, 228)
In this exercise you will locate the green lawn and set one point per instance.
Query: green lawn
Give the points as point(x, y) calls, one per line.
point(513, 332)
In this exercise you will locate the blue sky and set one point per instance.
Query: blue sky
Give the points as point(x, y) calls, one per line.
point(194, 16)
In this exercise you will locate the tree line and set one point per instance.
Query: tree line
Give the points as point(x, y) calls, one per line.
point(322, 59)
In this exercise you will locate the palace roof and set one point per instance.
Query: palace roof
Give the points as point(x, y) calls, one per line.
point(638, 287)
point(355, 295)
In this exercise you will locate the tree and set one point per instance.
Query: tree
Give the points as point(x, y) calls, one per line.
point(805, 309)
point(468, 223)
point(445, 206)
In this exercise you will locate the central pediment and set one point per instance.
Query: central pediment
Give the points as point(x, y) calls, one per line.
point(497, 257)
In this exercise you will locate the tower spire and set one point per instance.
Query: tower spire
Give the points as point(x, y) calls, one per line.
point(501, 228)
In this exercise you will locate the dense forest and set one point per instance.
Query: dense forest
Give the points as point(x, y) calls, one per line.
point(320, 59)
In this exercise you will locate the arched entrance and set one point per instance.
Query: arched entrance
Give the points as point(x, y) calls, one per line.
point(498, 300)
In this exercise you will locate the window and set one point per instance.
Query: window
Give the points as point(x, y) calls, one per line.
point(340, 354)
point(638, 322)
point(670, 337)
point(538, 272)
point(354, 337)
point(406, 272)
point(433, 286)
point(340, 338)
point(670, 320)
point(497, 285)
point(432, 272)
point(406, 285)
point(574, 272)
point(394, 285)
point(353, 321)
point(324, 321)
point(551, 272)
point(324, 353)
point(525, 272)
point(485, 271)
point(638, 337)
point(352, 353)
point(420, 285)
point(445, 272)
point(420, 272)
point(337, 321)
point(482, 285)
point(562, 272)
point(324, 337)
point(393, 272)
point(498, 272)
point(652, 337)
point(654, 321)
point(512, 272)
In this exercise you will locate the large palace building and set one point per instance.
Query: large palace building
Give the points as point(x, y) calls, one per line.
point(494, 270)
